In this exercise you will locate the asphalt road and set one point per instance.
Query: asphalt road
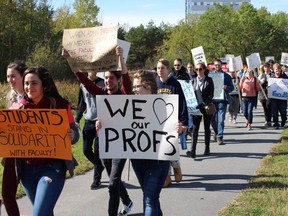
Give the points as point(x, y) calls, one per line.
point(209, 182)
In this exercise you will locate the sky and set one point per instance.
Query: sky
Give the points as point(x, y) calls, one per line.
point(134, 13)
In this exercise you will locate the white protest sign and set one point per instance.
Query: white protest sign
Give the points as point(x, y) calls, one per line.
point(198, 55)
point(253, 61)
point(228, 58)
point(278, 88)
point(267, 58)
point(190, 97)
point(235, 64)
point(138, 126)
point(284, 58)
point(125, 46)
point(218, 79)
point(91, 49)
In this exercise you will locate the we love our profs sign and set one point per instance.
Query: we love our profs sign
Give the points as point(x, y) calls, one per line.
point(138, 126)
point(37, 133)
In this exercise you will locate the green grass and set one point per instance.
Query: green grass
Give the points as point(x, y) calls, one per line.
point(267, 192)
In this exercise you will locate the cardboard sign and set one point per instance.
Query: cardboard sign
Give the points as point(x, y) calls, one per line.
point(190, 97)
point(198, 55)
point(91, 49)
point(218, 79)
point(35, 133)
point(138, 126)
point(278, 88)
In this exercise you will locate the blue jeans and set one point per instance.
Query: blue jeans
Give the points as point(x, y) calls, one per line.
point(42, 194)
point(89, 137)
point(247, 108)
point(116, 187)
point(151, 175)
point(218, 119)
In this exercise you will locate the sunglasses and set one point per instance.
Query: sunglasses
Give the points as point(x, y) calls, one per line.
point(177, 65)
point(199, 69)
point(217, 65)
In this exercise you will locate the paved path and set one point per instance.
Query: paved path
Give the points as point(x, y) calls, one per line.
point(209, 182)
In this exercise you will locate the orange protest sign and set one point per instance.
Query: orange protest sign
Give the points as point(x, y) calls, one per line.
point(35, 133)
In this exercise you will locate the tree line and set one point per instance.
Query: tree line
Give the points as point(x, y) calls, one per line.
point(31, 31)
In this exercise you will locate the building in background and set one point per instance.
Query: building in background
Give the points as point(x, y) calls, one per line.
point(198, 7)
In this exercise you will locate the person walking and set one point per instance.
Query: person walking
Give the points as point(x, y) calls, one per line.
point(43, 178)
point(114, 167)
point(234, 101)
point(218, 117)
point(264, 100)
point(168, 84)
point(87, 108)
point(204, 90)
point(11, 172)
point(249, 86)
point(279, 105)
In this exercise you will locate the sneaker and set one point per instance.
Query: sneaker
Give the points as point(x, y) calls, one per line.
point(234, 121)
point(95, 185)
point(249, 127)
point(220, 142)
point(177, 174)
point(126, 209)
point(167, 181)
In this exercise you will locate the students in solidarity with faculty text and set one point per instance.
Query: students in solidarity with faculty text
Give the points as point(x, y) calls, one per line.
point(11, 178)
point(204, 91)
point(218, 118)
point(43, 178)
point(87, 108)
point(114, 167)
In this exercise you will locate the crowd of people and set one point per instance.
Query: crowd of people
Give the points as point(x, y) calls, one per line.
point(43, 178)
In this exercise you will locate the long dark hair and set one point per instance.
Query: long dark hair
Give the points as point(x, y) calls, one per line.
point(49, 88)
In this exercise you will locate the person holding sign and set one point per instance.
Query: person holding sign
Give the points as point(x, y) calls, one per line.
point(218, 118)
point(43, 178)
point(234, 101)
point(249, 86)
point(169, 85)
point(114, 167)
point(264, 100)
point(279, 105)
point(10, 179)
point(204, 90)
point(151, 174)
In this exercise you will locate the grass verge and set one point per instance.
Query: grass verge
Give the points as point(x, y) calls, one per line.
point(267, 191)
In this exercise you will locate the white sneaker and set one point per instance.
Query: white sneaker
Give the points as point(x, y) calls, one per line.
point(126, 209)
point(234, 121)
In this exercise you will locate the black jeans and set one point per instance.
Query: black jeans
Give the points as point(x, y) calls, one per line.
point(116, 187)
point(89, 137)
point(196, 126)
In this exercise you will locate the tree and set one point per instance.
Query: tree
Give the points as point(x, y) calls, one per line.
point(144, 43)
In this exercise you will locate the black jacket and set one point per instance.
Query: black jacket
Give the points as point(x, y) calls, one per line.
point(181, 74)
point(207, 91)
